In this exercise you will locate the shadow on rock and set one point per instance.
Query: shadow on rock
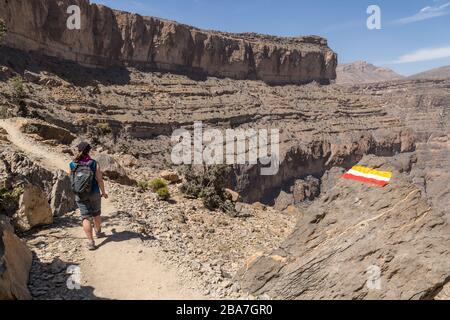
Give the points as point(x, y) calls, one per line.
point(71, 72)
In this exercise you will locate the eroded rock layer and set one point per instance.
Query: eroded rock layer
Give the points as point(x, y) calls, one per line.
point(109, 37)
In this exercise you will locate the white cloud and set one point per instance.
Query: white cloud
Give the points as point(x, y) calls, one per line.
point(426, 54)
point(427, 13)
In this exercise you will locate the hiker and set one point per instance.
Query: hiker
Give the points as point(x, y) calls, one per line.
point(89, 188)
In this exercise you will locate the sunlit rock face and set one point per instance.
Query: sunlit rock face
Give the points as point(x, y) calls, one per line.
point(108, 37)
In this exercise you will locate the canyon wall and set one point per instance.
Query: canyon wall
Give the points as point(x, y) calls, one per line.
point(109, 38)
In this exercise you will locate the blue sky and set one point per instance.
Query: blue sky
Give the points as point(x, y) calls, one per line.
point(415, 34)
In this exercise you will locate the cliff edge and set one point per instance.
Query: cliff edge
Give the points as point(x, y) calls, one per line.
point(109, 38)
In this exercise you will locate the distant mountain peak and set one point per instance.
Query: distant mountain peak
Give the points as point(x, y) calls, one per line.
point(363, 72)
point(442, 73)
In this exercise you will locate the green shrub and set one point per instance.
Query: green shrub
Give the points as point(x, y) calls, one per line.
point(143, 185)
point(2, 31)
point(157, 184)
point(9, 200)
point(209, 184)
point(104, 128)
point(18, 87)
point(163, 193)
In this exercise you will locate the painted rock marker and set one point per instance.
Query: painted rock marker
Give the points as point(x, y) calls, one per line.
point(368, 175)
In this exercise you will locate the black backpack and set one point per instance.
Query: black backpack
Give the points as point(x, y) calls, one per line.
point(82, 179)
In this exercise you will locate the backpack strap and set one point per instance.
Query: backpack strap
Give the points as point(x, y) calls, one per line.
point(75, 167)
point(92, 164)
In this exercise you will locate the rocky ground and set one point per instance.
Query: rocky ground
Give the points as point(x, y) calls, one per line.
point(210, 246)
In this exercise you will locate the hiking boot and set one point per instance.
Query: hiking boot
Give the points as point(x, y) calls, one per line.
point(91, 246)
point(100, 235)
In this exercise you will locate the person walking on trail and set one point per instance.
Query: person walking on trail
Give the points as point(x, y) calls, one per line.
point(89, 188)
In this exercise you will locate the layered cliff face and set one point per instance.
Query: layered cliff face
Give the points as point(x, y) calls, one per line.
point(108, 37)
point(353, 229)
point(320, 126)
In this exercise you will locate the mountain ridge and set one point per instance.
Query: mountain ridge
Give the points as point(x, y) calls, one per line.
point(440, 73)
point(363, 72)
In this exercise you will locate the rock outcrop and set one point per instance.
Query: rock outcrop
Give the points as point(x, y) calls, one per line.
point(113, 38)
point(112, 169)
point(62, 196)
point(359, 242)
point(307, 189)
point(17, 170)
point(15, 264)
point(34, 209)
point(48, 132)
point(283, 201)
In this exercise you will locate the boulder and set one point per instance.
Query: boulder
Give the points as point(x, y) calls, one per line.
point(283, 201)
point(170, 176)
point(34, 209)
point(15, 264)
point(62, 197)
point(21, 169)
point(232, 195)
point(112, 169)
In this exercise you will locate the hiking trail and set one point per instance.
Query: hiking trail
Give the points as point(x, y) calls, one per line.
point(122, 267)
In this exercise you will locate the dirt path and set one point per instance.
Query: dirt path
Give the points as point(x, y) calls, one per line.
point(122, 267)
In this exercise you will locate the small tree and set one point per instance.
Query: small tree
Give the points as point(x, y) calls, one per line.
point(18, 87)
point(209, 184)
point(2, 31)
